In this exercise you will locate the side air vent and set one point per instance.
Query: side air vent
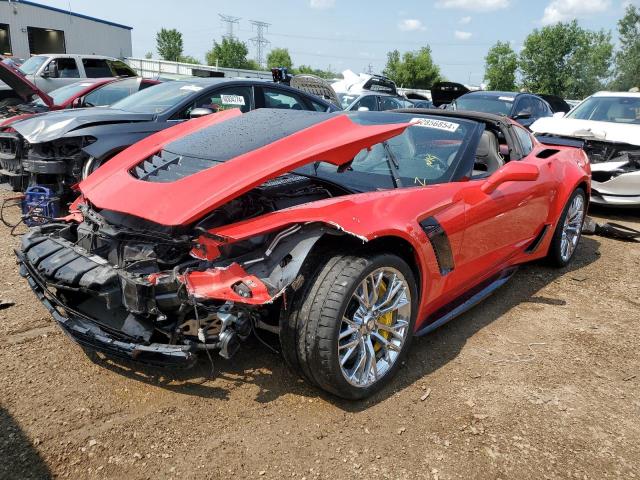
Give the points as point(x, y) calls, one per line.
point(168, 167)
point(547, 153)
point(440, 244)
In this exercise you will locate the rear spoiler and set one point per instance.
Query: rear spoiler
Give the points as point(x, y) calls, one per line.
point(561, 141)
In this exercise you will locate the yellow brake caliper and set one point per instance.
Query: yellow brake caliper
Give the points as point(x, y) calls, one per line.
point(386, 319)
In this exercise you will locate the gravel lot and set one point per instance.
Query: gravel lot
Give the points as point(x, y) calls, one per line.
point(539, 381)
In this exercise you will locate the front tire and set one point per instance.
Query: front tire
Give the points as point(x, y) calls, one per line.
point(350, 326)
point(569, 230)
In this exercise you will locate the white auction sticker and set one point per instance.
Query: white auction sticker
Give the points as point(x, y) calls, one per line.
point(191, 88)
point(232, 100)
point(438, 124)
point(506, 99)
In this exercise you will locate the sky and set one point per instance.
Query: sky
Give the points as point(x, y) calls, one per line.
point(355, 34)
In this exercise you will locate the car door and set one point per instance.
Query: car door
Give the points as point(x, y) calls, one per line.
point(501, 224)
point(218, 99)
point(58, 72)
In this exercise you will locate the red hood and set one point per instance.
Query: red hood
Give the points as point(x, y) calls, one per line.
point(336, 140)
point(21, 86)
point(7, 122)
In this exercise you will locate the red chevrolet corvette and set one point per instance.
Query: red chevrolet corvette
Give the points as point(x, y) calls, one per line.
point(345, 234)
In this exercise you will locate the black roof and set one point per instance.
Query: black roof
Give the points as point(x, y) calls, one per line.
point(494, 93)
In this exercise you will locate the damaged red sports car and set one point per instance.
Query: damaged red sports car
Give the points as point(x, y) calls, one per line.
point(343, 233)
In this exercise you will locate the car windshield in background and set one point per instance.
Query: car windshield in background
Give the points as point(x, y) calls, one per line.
point(62, 94)
point(426, 153)
point(346, 99)
point(157, 99)
point(32, 65)
point(608, 109)
point(496, 105)
point(112, 93)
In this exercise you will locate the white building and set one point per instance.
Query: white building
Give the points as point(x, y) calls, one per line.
point(28, 28)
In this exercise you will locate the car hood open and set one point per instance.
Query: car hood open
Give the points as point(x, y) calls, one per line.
point(47, 127)
point(21, 86)
point(588, 130)
point(234, 170)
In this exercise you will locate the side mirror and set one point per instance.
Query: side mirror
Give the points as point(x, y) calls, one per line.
point(50, 71)
point(559, 115)
point(523, 115)
point(363, 109)
point(200, 112)
point(511, 172)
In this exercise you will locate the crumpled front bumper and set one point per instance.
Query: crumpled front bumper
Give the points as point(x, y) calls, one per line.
point(621, 191)
point(11, 159)
point(88, 334)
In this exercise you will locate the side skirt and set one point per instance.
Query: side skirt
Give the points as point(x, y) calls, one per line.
point(468, 301)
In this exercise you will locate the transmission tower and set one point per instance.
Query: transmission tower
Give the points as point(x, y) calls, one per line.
point(259, 41)
point(231, 23)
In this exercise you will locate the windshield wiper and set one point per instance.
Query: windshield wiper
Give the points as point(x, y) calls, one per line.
point(394, 166)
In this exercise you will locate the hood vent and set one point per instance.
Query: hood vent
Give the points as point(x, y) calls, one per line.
point(167, 167)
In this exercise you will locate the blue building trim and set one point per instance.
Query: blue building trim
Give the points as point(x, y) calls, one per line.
point(67, 12)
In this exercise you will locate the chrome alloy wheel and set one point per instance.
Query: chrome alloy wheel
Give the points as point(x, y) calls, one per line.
point(375, 327)
point(572, 228)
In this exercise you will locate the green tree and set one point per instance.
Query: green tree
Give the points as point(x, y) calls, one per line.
point(169, 44)
point(628, 57)
point(566, 60)
point(501, 64)
point(189, 59)
point(307, 69)
point(412, 69)
point(230, 53)
point(148, 55)
point(279, 57)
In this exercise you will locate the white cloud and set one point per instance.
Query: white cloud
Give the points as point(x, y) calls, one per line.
point(322, 4)
point(562, 10)
point(411, 25)
point(462, 35)
point(464, 21)
point(480, 5)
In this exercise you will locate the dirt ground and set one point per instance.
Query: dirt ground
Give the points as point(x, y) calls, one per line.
point(539, 381)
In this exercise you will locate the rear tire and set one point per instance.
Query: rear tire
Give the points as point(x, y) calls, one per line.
point(334, 341)
point(568, 233)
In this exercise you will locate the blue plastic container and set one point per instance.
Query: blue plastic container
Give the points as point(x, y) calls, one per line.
point(39, 205)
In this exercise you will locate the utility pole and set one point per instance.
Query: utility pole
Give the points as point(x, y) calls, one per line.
point(259, 41)
point(231, 23)
point(370, 69)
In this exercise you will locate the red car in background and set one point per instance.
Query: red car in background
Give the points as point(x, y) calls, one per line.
point(345, 234)
point(89, 92)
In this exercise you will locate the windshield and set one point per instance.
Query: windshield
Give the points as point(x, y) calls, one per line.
point(63, 94)
point(427, 153)
point(608, 109)
point(495, 105)
point(159, 98)
point(32, 65)
point(346, 99)
point(112, 93)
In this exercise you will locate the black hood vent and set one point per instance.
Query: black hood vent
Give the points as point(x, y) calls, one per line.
point(168, 167)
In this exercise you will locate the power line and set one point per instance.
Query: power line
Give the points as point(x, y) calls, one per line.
point(231, 23)
point(259, 41)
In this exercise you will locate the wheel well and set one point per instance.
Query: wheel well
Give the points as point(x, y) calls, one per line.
point(388, 244)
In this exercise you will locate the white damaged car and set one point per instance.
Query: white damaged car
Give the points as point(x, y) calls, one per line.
point(609, 125)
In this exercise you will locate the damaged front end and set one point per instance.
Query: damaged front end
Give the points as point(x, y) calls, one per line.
point(615, 169)
point(133, 291)
point(56, 164)
point(11, 151)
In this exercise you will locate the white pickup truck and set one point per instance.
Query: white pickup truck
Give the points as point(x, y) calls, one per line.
point(51, 71)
